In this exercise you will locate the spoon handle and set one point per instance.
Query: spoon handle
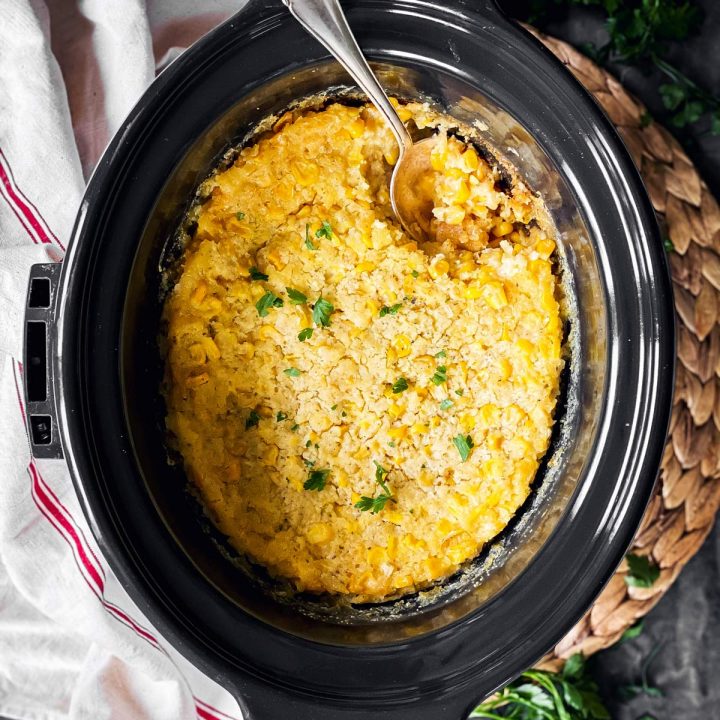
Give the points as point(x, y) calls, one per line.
point(325, 21)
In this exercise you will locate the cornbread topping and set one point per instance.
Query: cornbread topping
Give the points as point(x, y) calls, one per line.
point(359, 414)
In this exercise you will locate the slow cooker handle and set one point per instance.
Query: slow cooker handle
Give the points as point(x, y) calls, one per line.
point(270, 704)
point(39, 351)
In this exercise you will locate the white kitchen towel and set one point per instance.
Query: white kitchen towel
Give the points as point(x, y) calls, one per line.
point(72, 643)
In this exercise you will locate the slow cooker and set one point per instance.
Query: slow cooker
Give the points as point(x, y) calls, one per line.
point(94, 369)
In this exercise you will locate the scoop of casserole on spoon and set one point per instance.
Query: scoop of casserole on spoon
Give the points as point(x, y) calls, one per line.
point(325, 21)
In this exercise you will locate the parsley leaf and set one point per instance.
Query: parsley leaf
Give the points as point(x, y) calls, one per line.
point(642, 572)
point(280, 417)
point(400, 385)
point(668, 244)
point(240, 215)
point(292, 372)
point(316, 480)
point(255, 274)
point(305, 334)
point(267, 301)
point(377, 503)
point(294, 428)
point(324, 231)
point(252, 420)
point(441, 354)
point(632, 632)
point(322, 309)
point(464, 444)
point(296, 297)
point(392, 310)
point(446, 404)
point(308, 242)
point(373, 504)
point(415, 273)
point(440, 375)
point(542, 695)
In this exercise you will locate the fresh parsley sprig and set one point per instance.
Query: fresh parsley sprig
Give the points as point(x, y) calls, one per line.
point(267, 301)
point(640, 33)
point(317, 479)
point(541, 695)
point(642, 571)
point(377, 503)
point(322, 309)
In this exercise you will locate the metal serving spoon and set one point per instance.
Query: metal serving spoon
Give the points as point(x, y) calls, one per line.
point(326, 22)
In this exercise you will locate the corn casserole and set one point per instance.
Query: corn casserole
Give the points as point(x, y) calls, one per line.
point(359, 414)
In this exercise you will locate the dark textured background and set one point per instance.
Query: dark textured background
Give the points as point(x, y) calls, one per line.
point(687, 620)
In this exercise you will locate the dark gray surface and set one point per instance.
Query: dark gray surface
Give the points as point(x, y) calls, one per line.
point(687, 619)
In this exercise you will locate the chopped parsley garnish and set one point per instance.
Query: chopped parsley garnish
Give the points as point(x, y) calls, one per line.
point(324, 231)
point(322, 309)
point(255, 274)
point(400, 385)
point(440, 375)
point(415, 273)
point(316, 480)
point(377, 503)
point(334, 407)
point(308, 242)
point(343, 413)
point(464, 444)
point(308, 463)
point(295, 428)
point(292, 372)
point(240, 215)
point(252, 420)
point(296, 297)
point(267, 301)
point(446, 404)
point(392, 310)
point(460, 392)
point(441, 354)
point(305, 334)
point(643, 573)
point(391, 444)
point(280, 417)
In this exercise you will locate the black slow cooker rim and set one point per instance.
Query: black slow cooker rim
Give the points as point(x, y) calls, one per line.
point(76, 319)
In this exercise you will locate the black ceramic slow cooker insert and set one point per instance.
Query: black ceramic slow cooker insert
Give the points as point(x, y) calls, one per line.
point(100, 408)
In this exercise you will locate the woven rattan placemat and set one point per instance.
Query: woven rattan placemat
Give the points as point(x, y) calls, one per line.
point(687, 495)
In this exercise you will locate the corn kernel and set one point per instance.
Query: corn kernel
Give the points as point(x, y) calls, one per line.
point(545, 248)
point(398, 433)
point(198, 294)
point(419, 429)
point(473, 291)
point(454, 215)
point(377, 555)
point(393, 516)
point(273, 255)
point(270, 456)
point(197, 354)
point(403, 113)
point(439, 268)
point(212, 350)
point(396, 410)
point(391, 156)
point(305, 172)
point(319, 533)
point(467, 421)
point(401, 344)
point(268, 332)
point(462, 193)
point(494, 294)
point(505, 368)
point(197, 380)
point(502, 228)
point(365, 267)
point(356, 128)
point(470, 159)
point(524, 346)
